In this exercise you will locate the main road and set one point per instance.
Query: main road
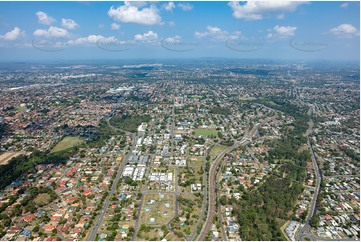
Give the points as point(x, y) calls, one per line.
point(113, 188)
point(212, 196)
point(306, 229)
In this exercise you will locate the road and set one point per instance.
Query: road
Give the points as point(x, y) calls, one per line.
point(220, 216)
point(306, 229)
point(136, 224)
point(112, 190)
point(211, 183)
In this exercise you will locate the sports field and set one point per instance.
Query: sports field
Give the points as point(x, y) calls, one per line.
point(205, 132)
point(67, 142)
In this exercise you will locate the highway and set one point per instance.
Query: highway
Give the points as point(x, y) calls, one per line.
point(306, 229)
point(212, 196)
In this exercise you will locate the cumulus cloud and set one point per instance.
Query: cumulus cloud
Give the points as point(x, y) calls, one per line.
point(344, 5)
point(285, 31)
point(44, 18)
point(216, 33)
point(344, 30)
point(54, 32)
point(281, 32)
point(92, 39)
point(115, 26)
point(129, 13)
point(185, 6)
point(149, 37)
point(12, 35)
point(255, 10)
point(169, 6)
point(69, 23)
point(175, 39)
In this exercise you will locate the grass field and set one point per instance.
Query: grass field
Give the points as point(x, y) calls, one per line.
point(247, 98)
point(66, 143)
point(196, 161)
point(21, 108)
point(217, 149)
point(162, 209)
point(205, 132)
point(172, 237)
point(197, 96)
point(43, 198)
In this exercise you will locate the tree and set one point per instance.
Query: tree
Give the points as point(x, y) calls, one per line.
point(223, 200)
point(36, 229)
point(315, 220)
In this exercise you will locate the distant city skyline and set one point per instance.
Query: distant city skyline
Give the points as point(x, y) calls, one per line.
point(152, 30)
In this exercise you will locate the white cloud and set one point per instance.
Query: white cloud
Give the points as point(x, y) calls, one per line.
point(344, 30)
point(128, 13)
point(45, 19)
point(92, 39)
point(69, 23)
point(216, 33)
point(55, 32)
point(171, 23)
point(115, 26)
point(185, 6)
point(281, 32)
point(286, 31)
point(175, 39)
point(13, 34)
point(254, 10)
point(150, 37)
point(344, 5)
point(107, 43)
point(169, 6)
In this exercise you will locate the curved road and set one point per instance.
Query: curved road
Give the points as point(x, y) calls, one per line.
point(212, 196)
point(306, 230)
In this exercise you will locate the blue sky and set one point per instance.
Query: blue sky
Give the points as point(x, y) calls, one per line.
point(119, 30)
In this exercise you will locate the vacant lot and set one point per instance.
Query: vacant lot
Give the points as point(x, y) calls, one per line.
point(205, 132)
point(43, 198)
point(247, 98)
point(217, 149)
point(66, 143)
point(172, 237)
point(21, 108)
point(157, 209)
point(196, 161)
point(6, 157)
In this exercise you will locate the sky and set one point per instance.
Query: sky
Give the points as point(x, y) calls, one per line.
point(121, 30)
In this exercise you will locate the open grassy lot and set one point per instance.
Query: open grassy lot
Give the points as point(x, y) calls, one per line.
point(190, 209)
point(205, 132)
point(197, 96)
point(247, 98)
point(196, 161)
point(147, 233)
point(21, 108)
point(43, 198)
point(67, 142)
point(157, 209)
point(217, 149)
point(172, 237)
